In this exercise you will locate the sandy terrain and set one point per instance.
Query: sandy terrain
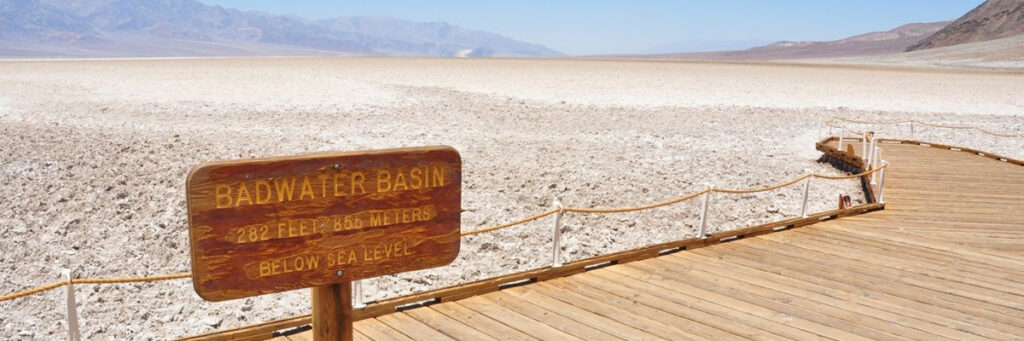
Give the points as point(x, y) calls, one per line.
point(93, 157)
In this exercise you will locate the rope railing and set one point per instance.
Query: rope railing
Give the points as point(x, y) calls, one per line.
point(58, 284)
point(118, 280)
point(831, 123)
point(669, 202)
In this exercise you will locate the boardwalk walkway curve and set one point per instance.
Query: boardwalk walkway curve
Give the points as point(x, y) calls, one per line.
point(941, 261)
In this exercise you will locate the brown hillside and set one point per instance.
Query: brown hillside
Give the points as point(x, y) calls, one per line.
point(993, 19)
point(868, 44)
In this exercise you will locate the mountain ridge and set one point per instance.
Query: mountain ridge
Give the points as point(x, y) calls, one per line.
point(993, 19)
point(128, 28)
point(865, 44)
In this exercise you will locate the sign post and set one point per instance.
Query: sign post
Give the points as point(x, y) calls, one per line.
point(263, 226)
point(332, 312)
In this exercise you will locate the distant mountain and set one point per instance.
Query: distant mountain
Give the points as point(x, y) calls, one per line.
point(993, 19)
point(874, 43)
point(704, 45)
point(153, 28)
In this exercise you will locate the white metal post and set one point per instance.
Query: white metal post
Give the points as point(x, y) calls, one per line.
point(807, 189)
point(72, 309)
point(704, 213)
point(357, 294)
point(864, 149)
point(877, 155)
point(881, 182)
point(841, 142)
point(871, 150)
point(556, 259)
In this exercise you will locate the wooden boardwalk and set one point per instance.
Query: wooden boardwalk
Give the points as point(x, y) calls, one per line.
point(942, 261)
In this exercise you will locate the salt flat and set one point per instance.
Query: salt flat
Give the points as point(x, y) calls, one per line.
point(94, 153)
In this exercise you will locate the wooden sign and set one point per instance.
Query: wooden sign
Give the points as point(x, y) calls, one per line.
point(269, 225)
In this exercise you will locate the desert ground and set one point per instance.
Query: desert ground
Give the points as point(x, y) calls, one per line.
point(94, 155)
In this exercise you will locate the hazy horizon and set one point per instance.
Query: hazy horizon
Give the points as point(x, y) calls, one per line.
point(579, 27)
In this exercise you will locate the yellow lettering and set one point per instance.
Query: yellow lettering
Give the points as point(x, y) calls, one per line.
point(337, 185)
point(400, 182)
point(312, 262)
point(264, 268)
point(222, 193)
point(405, 249)
point(438, 176)
point(352, 257)
point(275, 266)
point(337, 223)
point(307, 189)
point(262, 186)
point(243, 194)
point(323, 185)
point(414, 177)
point(383, 181)
point(357, 180)
point(285, 190)
point(375, 218)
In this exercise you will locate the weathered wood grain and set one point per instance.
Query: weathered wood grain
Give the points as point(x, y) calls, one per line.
point(268, 225)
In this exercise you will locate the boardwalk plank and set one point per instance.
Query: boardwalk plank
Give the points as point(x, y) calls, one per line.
point(944, 260)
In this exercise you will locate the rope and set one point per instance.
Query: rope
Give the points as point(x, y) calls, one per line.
point(784, 184)
point(635, 208)
point(32, 291)
point(514, 223)
point(829, 123)
point(666, 203)
point(855, 132)
point(59, 284)
point(130, 279)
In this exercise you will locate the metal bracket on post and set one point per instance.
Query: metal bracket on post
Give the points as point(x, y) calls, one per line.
point(556, 248)
point(881, 182)
point(807, 189)
point(704, 213)
point(357, 294)
point(72, 309)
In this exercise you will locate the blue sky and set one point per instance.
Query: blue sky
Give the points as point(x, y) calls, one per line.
point(619, 26)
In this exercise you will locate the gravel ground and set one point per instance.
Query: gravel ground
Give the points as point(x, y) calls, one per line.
point(94, 156)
